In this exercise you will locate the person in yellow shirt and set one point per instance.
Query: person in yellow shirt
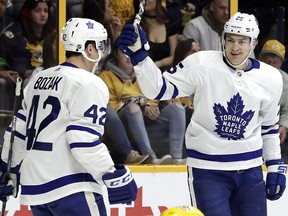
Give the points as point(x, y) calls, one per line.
point(136, 111)
point(123, 10)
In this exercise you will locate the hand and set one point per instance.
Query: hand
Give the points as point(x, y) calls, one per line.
point(276, 179)
point(116, 23)
point(9, 75)
point(152, 112)
point(6, 190)
point(131, 42)
point(8, 186)
point(121, 185)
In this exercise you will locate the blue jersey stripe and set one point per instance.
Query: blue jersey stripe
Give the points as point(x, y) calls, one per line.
point(17, 134)
point(275, 131)
point(225, 158)
point(83, 144)
point(21, 116)
point(57, 183)
point(266, 127)
point(162, 91)
point(82, 128)
point(164, 88)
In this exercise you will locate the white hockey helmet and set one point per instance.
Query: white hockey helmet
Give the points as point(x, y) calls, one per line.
point(242, 24)
point(77, 31)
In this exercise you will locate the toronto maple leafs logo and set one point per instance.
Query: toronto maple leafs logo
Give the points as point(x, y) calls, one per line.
point(231, 123)
point(90, 25)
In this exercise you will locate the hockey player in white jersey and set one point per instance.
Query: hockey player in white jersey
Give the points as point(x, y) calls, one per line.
point(63, 164)
point(233, 129)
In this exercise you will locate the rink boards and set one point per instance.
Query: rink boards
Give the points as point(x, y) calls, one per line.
point(160, 187)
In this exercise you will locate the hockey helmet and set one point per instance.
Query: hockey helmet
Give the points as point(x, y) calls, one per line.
point(77, 31)
point(242, 24)
point(182, 211)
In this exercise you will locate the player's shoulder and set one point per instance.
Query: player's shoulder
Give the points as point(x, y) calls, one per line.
point(206, 56)
point(268, 70)
point(75, 77)
point(268, 75)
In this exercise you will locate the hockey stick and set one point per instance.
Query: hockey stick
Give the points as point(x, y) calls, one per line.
point(137, 21)
point(13, 129)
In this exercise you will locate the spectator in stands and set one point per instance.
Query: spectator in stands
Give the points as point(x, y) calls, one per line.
point(34, 18)
point(123, 10)
point(206, 29)
point(183, 49)
point(273, 53)
point(102, 11)
point(14, 61)
point(135, 110)
point(118, 143)
point(180, 11)
point(73, 8)
point(49, 54)
point(162, 33)
point(14, 56)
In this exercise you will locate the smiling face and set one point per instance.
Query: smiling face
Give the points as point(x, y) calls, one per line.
point(237, 49)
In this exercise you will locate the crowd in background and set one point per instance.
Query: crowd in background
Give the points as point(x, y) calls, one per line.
point(138, 130)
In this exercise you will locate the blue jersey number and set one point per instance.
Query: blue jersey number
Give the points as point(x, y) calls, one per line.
point(54, 105)
point(31, 131)
point(92, 112)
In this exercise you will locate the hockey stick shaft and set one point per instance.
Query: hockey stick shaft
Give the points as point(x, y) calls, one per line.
point(12, 135)
point(136, 22)
point(138, 16)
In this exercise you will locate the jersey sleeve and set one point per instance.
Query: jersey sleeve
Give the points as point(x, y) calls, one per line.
point(19, 142)
point(270, 112)
point(179, 81)
point(86, 126)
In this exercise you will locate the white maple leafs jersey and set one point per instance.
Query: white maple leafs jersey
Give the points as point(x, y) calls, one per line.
point(235, 117)
point(58, 135)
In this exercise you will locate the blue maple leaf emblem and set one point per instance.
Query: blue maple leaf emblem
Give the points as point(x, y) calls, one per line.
point(231, 123)
point(90, 25)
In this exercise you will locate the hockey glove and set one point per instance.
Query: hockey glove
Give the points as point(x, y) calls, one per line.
point(133, 42)
point(275, 179)
point(121, 186)
point(8, 187)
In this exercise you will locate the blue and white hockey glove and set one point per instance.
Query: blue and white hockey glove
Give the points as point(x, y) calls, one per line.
point(275, 179)
point(133, 43)
point(121, 185)
point(10, 187)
